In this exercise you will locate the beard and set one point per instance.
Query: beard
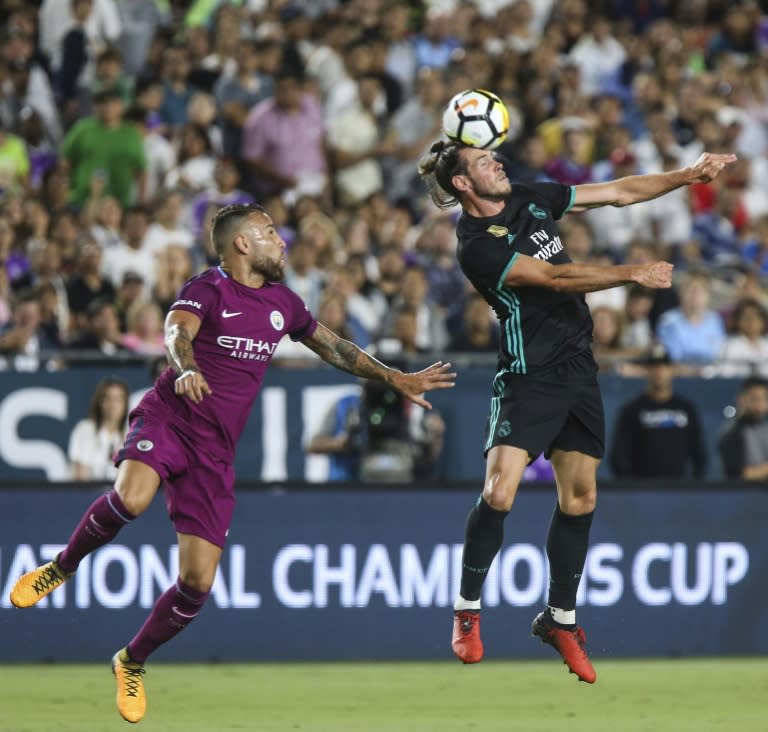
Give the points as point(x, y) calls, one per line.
point(271, 270)
point(496, 191)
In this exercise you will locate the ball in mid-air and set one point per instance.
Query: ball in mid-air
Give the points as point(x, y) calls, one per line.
point(476, 117)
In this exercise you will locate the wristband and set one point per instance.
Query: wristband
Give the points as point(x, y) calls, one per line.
point(187, 372)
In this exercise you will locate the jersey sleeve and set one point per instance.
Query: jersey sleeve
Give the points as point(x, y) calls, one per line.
point(302, 323)
point(555, 197)
point(486, 261)
point(195, 297)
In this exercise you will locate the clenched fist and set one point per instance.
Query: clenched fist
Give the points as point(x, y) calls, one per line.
point(656, 275)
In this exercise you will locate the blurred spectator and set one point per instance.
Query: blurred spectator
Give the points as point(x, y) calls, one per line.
point(599, 56)
point(411, 130)
point(745, 351)
point(144, 321)
point(283, 141)
point(743, 445)
point(14, 162)
point(638, 332)
point(430, 332)
point(302, 274)
point(131, 254)
point(101, 341)
point(173, 269)
point(22, 339)
point(693, 333)
point(95, 439)
point(167, 226)
point(100, 25)
point(355, 143)
point(74, 55)
point(87, 283)
point(106, 152)
point(658, 434)
point(177, 90)
point(571, 165)
point(223, 192)
point(107, 219)
point(195, 161)
point(158, 152)
point(130, 291)
point(479, 333)
point(249, 85)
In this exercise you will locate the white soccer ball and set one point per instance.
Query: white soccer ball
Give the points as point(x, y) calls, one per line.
point(477, 118)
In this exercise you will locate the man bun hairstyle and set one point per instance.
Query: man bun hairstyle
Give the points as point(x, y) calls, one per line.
point(227, 221)
point(437, 170)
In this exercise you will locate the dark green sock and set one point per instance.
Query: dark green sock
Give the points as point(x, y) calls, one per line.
point(567, 544)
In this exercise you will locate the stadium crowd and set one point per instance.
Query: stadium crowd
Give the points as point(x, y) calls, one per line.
point(125, 125)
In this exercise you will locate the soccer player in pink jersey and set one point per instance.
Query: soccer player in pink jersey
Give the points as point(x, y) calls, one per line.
point(221, 334)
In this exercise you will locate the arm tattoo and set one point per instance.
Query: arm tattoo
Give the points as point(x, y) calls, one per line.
point(179, 346)
point(345, 355)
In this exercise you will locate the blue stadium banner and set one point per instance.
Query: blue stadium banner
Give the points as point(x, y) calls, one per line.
point(38, 412)
point(320, 574)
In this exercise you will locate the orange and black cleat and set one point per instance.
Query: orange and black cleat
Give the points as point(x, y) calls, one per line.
point(568, 643)
point(466, 642)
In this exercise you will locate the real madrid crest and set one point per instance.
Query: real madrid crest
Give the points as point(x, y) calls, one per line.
point(277, 320)
point(496, 230)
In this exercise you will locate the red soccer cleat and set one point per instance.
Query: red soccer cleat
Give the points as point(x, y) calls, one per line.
point(466, 641)
point(568, 643)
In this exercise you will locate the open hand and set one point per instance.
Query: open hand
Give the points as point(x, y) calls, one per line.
point(709, 165)
point(413, 385)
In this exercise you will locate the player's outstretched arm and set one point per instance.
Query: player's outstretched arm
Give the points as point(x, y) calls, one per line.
point(347, 356)
point(180, 330)
point(571, 277)
point(638, 188)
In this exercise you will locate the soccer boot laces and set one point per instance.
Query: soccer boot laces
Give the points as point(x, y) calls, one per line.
point(131, 698)
point(33, 586)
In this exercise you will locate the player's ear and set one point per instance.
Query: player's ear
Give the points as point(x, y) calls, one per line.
point(461, 183)
point(241, 244)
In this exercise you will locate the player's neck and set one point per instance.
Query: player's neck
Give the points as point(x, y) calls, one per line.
point(482, 208)
point(244, 275)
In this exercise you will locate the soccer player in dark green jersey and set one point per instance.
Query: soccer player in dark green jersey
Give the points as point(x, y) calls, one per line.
point(545, 396)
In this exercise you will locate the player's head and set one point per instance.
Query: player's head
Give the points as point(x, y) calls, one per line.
point(246, 230)
point(455, 173)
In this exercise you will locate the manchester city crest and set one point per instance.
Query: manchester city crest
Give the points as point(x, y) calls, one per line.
point(277, 320)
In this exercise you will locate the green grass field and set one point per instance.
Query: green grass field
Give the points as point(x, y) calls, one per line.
point(629, 696)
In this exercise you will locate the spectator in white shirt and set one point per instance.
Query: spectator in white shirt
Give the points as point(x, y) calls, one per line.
point(95, 439)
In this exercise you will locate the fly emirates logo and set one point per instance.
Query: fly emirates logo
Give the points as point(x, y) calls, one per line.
point(247, 349)
point(547, 247)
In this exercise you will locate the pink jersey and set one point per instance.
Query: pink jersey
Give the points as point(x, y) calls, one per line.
point(239, 331)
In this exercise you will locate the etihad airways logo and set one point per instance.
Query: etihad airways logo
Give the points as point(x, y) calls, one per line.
point(191, 303)
point(247, 348)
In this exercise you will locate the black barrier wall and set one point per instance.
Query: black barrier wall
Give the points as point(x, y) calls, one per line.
point(322, 574)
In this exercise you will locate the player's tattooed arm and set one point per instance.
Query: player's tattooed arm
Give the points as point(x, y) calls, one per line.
point(180, 330)
point(348, 357)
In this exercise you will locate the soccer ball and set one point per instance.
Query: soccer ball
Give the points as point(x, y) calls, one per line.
point(477, 118)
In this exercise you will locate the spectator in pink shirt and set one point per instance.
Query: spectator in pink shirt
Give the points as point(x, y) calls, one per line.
point(283, 141)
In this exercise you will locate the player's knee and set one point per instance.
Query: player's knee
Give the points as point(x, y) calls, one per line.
point(197, 580)
point(576, 504)
point(499, 492)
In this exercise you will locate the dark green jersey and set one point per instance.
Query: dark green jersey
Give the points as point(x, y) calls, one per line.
point(539, 327)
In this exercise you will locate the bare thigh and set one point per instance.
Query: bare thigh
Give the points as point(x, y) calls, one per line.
point(503, 471)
